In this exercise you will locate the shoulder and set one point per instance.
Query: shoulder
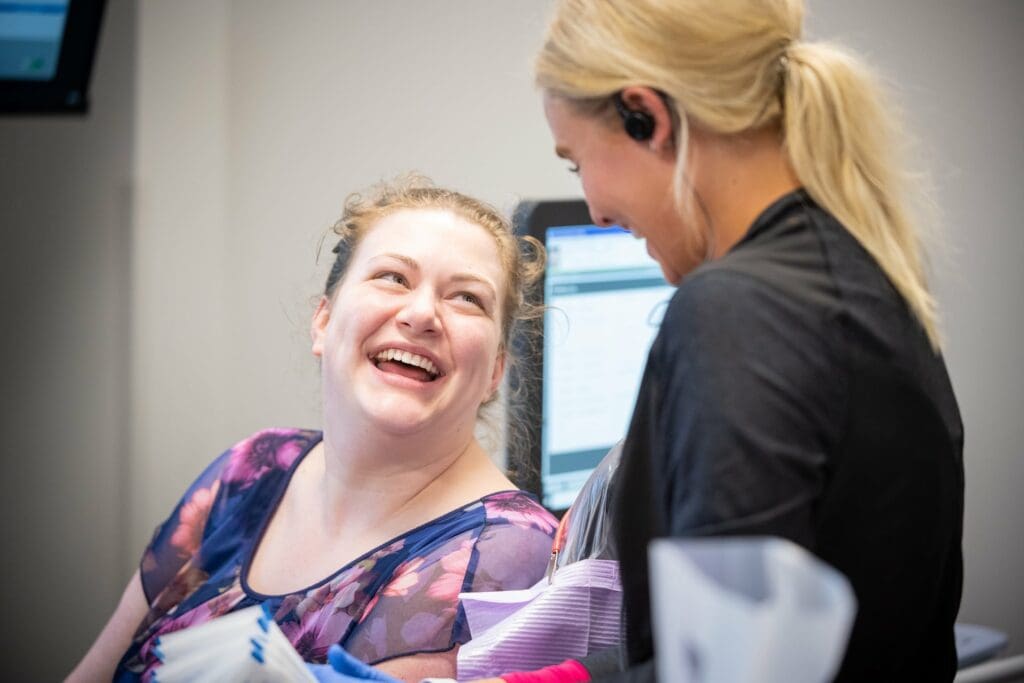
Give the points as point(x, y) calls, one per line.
point(722, 310)
point(518, 510)
point(264, 452)
point(775, 287)
point(514, 545)
point(734, 349)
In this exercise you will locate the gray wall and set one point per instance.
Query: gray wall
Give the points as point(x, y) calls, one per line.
point(65, 221)
point(957, 67)
point(159, 256)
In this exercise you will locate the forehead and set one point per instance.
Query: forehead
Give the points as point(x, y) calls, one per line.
point(561, 118)
point(434, 238)
point(572, 130)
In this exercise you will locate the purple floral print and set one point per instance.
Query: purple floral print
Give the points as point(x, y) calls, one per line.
point(397, 600)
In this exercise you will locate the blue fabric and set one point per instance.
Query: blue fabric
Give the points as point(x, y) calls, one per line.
point(398, 599)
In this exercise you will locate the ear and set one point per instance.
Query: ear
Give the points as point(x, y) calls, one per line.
point(498, 374)
point(318, 326)
point(642, 98)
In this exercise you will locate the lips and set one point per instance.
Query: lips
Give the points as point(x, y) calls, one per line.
point(406, 363)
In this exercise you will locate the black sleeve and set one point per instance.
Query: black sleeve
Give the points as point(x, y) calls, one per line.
point(733, 420)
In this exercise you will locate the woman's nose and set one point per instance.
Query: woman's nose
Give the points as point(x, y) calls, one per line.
point(418, 313)
point(599, 219)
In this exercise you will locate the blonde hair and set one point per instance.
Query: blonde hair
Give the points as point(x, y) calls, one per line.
point(738, 65)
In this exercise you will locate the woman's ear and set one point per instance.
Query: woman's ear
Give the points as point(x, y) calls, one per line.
point(498, 373)
point(648, 100)
point(318, 326)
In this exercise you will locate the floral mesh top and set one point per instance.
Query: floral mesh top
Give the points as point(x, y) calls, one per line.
point(398, 599)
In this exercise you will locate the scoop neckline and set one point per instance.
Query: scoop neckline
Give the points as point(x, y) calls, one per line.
point(253, 545)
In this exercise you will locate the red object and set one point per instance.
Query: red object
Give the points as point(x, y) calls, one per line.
point(569, 671)
point(556, 547)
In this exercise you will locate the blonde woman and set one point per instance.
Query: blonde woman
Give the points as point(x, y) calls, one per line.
point(797, 386)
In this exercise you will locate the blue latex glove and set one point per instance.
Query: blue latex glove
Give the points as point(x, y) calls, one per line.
point(344, 668)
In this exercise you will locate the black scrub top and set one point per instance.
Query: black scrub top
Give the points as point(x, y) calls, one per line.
point(791, 392)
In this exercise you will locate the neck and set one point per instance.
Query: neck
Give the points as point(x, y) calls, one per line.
point(740, 176)
point(367, 480)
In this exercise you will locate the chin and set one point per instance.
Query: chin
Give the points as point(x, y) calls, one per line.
point(399, 420)
point(671, 276)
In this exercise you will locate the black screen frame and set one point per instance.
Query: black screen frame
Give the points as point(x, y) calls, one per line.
point(68, 91)
point(533, 218)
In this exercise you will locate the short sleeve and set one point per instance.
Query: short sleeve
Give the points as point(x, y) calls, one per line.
point(742, 409)
point(178, 538)
point(514, 548)
point(418, 610)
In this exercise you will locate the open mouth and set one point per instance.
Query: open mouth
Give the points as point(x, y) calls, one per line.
point(406, 364)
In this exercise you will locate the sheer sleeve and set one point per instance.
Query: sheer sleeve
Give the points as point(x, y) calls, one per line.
point(178, 538)
point(418, 609)
point(511, 555)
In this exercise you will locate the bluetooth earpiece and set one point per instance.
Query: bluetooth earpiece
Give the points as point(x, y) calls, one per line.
point(639, 125)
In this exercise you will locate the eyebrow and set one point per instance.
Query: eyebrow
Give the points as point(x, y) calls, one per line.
point(561, 152)
point(458, 277)
point(468, 277)
point(411, 262)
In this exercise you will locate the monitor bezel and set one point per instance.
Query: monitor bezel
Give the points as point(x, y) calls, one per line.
point(533, 218)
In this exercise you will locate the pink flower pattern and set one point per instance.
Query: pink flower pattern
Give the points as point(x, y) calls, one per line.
point(323, 616)
point(271, 449)
point(519, 510)
point(400, 599)
point(192, 516)
point(406, 578)
point(447, 587)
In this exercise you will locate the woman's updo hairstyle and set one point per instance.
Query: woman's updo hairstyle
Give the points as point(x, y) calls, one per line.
point(522, 258)
point(522, 261)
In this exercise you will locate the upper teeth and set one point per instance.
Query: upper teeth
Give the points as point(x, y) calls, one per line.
point(408, 359)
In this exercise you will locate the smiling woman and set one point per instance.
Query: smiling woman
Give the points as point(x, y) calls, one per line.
point(443, 355)
point(796, 387)
point(365, 533)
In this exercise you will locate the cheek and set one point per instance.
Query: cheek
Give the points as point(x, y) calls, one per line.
point(350, 328)
point(477, 346)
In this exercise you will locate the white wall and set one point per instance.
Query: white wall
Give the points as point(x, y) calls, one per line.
point(957, 66)
point(252, 121)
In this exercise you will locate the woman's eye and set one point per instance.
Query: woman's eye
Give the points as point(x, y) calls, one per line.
point(471, 298)
point(390, 276)
point(574, 169)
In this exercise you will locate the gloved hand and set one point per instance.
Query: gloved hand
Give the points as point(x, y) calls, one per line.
point(344, 668)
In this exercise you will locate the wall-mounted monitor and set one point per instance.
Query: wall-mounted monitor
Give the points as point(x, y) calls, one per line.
point(604, 298)
point(46, 54)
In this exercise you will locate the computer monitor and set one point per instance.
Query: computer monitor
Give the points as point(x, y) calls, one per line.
point(604, 298)
point(46, 55)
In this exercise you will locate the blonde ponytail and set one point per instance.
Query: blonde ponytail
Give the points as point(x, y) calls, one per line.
point(840, 137)
point(739, 65)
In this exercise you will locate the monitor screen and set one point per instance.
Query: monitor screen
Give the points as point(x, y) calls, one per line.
point(30, 37)
point(46, 54)
point(604, 298)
